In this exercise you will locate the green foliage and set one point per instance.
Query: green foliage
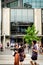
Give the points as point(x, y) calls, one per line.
point(31, 34)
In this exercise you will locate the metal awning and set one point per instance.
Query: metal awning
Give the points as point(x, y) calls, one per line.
point(19, 35)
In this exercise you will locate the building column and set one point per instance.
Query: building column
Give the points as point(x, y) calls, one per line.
point(20, 3)
point(5, 25)
point(37, 21)
point(0, 21)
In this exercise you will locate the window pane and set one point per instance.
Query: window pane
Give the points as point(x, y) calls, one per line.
point(18, 15)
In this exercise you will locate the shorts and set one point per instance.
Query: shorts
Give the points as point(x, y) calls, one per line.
point(21, 59)
point(34, 57)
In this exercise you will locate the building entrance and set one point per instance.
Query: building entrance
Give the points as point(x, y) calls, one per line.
point(16, 40)
point(19, 40)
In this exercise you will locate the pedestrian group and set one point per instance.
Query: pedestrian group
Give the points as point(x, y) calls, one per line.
point(19, 54)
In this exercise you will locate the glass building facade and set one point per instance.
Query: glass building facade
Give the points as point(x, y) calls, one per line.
point(33, 3)
point(22, 15)
point(20, 20)
point(26, 3)
point(12, 4)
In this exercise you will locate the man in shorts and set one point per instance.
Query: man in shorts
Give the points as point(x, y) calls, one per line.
point(34, 53)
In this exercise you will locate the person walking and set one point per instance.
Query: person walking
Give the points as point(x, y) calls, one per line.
point(28, 48)
point(1, 47)
point(34, 53)
point(22, 55)
point(16, 58)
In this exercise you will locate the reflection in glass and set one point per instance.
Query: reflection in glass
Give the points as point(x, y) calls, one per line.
point(12, 4)
point(33, 3)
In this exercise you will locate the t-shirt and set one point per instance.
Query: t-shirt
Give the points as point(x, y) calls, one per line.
point(35, 48)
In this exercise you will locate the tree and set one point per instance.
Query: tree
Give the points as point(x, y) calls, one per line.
point(31, 34)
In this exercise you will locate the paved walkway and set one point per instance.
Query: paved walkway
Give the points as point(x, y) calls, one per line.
point(6, 58)
point(9, 59)
point(9, 52)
